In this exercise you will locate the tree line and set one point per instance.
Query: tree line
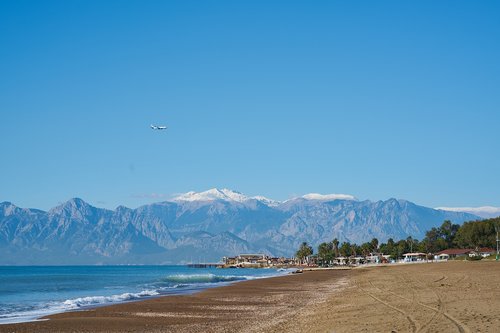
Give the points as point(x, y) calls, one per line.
point(470, 235)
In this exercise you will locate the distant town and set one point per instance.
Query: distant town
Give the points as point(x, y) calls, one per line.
point(472, 241)
point(265, 261)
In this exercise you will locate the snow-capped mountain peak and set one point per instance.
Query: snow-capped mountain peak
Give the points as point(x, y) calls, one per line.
point(267, 201)
point(328, 197)
point(222, 194)
point(211, 195)
point(234, 196)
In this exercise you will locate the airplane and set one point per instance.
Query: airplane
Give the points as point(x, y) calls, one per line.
point(155, 127)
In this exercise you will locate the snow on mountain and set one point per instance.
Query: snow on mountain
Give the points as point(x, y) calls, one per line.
point(222, 194)
point(485, 211)
point(215, 223)
point(328, 197)
point(234, 196)
point(211, 195)
point(267, 201)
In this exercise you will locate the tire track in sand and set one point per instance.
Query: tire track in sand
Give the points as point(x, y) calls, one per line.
point(411, 320)
point(419, 329)
point(439, 301)
point(462, 328)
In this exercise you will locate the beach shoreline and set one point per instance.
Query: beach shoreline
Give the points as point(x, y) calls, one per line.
point(445, 297)
point(111, 285)
point(206, 309)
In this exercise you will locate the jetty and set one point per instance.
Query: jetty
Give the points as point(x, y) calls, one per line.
point(204, 265)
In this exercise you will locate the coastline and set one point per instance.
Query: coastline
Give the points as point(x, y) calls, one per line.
point(235, 307)
point(430, 297)
point(109, 285)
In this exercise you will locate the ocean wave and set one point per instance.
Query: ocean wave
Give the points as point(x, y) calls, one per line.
point(166, 285)
point(97, 300)
point(204, 278)
point(33, 313)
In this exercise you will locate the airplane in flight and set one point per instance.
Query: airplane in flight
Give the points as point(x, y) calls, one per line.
point(155, 127)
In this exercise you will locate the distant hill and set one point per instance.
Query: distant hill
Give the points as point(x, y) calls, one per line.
point(203, 227)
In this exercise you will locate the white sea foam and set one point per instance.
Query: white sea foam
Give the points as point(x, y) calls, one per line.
point(170, 284)
point(204, 278)
point(97, 300)
point(72, 304)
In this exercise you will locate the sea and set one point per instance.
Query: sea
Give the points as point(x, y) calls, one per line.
point(29, 292)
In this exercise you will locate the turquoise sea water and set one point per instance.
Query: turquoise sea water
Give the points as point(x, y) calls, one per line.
point(29, 292)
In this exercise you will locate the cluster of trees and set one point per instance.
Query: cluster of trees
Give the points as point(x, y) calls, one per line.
point(470, 235)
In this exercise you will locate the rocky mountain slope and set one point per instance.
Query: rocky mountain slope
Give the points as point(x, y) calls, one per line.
point(203, 227)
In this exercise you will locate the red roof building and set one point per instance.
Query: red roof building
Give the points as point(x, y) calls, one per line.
point(486, 250)
point(453, 253)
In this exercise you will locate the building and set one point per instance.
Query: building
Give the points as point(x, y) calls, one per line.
point(376, 258)
point(483, 252)
point(452, 254)
point(413, 257)
point(247, 260)
point(257, 261)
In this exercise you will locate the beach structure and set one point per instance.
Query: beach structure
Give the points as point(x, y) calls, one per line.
point(358, 260)
point(247, 260)
point(257, 261)
point(481, 252)
point(442, 256)
point(462, 253)
point(313, 260)
point(485, 251)
point(372, 258)
point(352, 260)
point(414, 257)
point(376, 258)
point(453, 253)
point(341, 261)
point(282, 261)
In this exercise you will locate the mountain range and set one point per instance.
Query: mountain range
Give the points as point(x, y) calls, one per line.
point(202, 227)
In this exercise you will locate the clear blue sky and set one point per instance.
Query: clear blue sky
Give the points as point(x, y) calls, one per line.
point(376, 99)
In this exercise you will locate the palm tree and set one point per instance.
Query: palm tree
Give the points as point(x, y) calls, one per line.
point(409, 240)
point(335, 243)
point(325, 252)
point(304, 252)
point(374, 243)
point(345, 249)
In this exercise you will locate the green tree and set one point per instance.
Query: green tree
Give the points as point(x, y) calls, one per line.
point(435, 241)
point(389, 248)
point(448, 232)
point(477, 234)
point(345, 249)
point(355, 249)
point(424, 247)
point(401, 248)
point(441, 238)
point(325, 253)
point(374, 244)
point(412, 243)
point(304, 252)
point(335, 244)
point(366, 248)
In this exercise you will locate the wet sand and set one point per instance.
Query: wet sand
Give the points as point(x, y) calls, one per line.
point(434, 297)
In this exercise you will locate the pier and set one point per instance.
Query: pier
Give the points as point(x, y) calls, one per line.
point(204, 265)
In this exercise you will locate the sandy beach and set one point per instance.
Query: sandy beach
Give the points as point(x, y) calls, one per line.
point(434, 297)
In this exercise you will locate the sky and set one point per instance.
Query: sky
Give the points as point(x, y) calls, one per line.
point(377, 99)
